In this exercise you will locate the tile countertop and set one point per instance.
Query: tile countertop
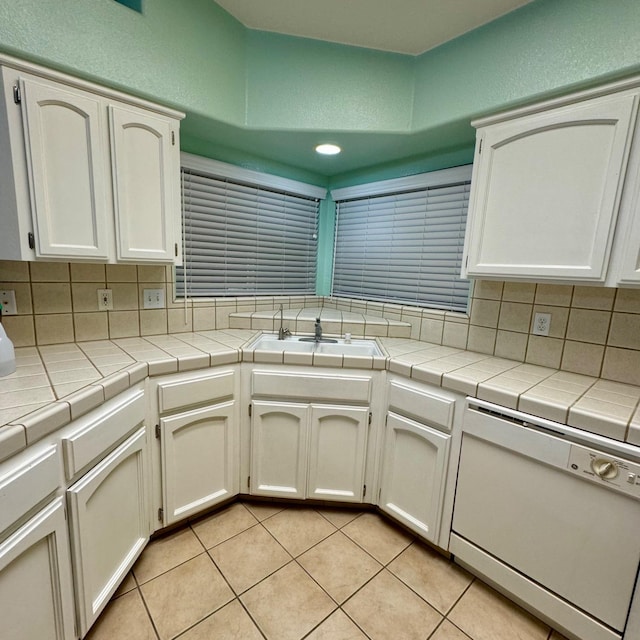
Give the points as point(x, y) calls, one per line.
point(58, 383)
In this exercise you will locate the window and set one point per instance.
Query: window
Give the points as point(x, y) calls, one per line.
point(243, 236)
point(402, 240)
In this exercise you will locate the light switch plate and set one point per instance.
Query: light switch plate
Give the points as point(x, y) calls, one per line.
point(8, 301)
point(153, 298)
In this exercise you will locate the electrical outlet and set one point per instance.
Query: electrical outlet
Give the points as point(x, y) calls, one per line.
point(105, 300)
point(8, 301)
point(153, 298)
point(541, 324)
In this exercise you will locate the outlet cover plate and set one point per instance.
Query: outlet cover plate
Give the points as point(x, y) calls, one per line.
point(105, 300)
point(541, 324)
point(153, 298)
point(8, 301)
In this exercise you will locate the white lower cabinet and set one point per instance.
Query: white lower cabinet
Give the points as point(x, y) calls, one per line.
point(109, 523)
point(308, 450)
point(36, 595)
point(413, 474)
point(199, 466)
point(279, 433)
point(337, 452)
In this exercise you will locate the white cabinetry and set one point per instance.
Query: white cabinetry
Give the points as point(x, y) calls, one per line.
point(86, 173)
point(109, 506)
point(547, 186)
point(415, 457)
point(198, 455)
point(310, 449)
point(36, 594)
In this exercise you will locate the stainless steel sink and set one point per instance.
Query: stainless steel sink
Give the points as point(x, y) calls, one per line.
point(304, 344)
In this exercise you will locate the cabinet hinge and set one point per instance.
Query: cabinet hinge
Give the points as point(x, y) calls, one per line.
point(370, 417)
point(31, 240)
point(173, 138)
point(160, 514)
point(158, 431)
point(480, 146)
point(17, 94)
point(249, 410)
point(364, 491)
point(175, 248)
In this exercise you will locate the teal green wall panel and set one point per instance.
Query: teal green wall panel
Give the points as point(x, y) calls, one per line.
point(543, 49)
point(296, 83)
point(326, 233)
point(190, 54)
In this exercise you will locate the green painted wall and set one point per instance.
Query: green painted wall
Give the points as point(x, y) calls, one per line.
point(188, 53)
point(296, 83)
point(545, 48)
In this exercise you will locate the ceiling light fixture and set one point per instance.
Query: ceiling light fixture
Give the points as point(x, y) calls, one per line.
point(328, 149)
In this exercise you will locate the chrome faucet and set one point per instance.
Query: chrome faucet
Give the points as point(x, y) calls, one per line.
point(282, 332)
point(318, 334)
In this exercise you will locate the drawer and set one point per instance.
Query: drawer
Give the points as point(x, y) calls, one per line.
point(100, 431)
point(207, 388)
point(311, 387)
point(434, 407)
point(24, 485)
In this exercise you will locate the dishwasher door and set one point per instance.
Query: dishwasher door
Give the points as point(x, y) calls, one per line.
point(533, 501)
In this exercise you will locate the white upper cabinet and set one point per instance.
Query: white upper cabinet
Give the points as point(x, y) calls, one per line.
point(547, 187)
point(85, 173)
point(145, 184)
point(63, 133)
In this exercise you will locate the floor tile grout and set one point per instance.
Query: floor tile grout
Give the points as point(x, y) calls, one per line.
point(336, 605)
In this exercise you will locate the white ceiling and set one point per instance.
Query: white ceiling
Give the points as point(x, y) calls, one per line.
point(403, 26)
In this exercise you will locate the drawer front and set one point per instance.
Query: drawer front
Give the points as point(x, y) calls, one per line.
point(433, 407)
point(311, 387)
point(100, 431)
point(208, 388)
point(27, 484)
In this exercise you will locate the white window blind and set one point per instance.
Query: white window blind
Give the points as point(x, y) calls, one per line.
point(242, 239)
point(404, 247)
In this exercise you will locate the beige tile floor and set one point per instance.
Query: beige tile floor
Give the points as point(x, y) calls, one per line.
point(256, 571)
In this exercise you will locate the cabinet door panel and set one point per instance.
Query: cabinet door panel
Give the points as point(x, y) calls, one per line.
point(414, 466)
point(199, 460)
point(36, 597)
point(65, 143)
point(279, 449)
point(546, 191)
point(143, 185)
point(110, 523)
point(337, 452)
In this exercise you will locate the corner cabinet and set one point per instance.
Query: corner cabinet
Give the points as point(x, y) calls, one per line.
point(547, 186)
point(87, 174)
point(418, 444)
point(197, 456)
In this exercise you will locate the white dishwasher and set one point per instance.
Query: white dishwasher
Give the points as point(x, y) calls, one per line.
point(551, 515)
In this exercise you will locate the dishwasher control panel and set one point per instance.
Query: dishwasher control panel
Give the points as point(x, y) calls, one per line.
point(606, 469)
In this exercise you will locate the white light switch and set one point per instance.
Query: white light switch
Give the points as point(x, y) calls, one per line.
point(8, 301)
point(153, 298)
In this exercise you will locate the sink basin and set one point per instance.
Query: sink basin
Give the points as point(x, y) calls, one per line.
point(270, 342)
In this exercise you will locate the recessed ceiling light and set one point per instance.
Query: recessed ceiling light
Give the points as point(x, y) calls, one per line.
point(328, 149)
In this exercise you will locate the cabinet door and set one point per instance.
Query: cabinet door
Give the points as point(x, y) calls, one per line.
point(109, 523)
point(546, 190)
point(279, 432)
point(66, 152)
point(337, 452)
point(144, 185)
point(414, 466)
point(199, 460)
point(36, 596)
